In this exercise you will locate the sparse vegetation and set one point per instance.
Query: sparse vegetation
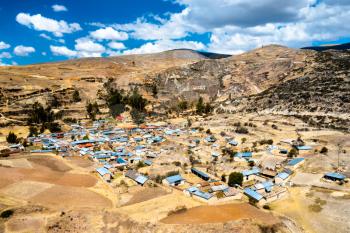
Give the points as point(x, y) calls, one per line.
point(12, 138)
point(241, 130)
point(6, 213)
point(235, 178)
point(92, 110)
point(292, 153)
point(324, 150)
point(76, 96)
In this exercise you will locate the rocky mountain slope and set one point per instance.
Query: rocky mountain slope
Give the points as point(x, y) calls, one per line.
point(320, 96)
point(271, 79)
point(21, 86)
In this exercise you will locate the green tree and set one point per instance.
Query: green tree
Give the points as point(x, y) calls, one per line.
point(76, 96)
point(292, 153)
point(137, 116)
point(92, 110)
point(154, 90)
point(136, 101)
point(33, 131)
point(223, 178)
point(38, 114)
point(12, 137)
point(235, 178)
point(324, 150)
point(55, 102)
point(200, 106)
point(182, 105)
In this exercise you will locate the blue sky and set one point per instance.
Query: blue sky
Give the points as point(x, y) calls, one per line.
point(33, 31)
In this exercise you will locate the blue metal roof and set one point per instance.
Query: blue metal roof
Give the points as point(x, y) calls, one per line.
point(201, 194)
point(148, 162)
point(233, 143)
point(295, 161)
point(120, 160)
point(192, 189)
point(253, 171)
point(335, 175)
point(103, 171)
point(244, 154)
point(283, 175)
point(174, 179)
point(210, 139)
point(252, 194)
point(141, 179)
point(107, 165)
point(304, 147)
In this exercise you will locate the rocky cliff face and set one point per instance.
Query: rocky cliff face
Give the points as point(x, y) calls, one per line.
point(232, 77)
point(320, 95)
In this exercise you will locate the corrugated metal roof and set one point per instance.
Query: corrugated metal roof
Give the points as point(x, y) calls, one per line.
point(141, 179)
point(174, 179)
point(304, 147)
point(244, 154)
point(295, 161)
point(192, 189)
point(201, 194)
point(253, 194)
point(253, 171)
point(194, 170)
point(335, 175)
point(283, 175)
point(103, 171)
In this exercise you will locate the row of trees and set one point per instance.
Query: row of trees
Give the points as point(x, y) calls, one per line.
point(43, 118)
point(117, 100)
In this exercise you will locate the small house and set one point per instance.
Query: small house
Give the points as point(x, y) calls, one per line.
point(200, 174)
point(253, 195)
point(104, 173)
point(174, 180)
point(250, 174)
point(295, 163)
point(135, 176)
point(334, 176)
point(282, 178)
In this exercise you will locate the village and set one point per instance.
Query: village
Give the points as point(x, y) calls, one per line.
point(210, 167)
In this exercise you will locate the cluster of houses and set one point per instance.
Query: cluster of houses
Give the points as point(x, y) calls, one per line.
point(126, 149)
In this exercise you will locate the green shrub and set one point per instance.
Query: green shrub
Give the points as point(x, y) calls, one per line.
point(6, 213)
point(235, 178)
point(12, 138)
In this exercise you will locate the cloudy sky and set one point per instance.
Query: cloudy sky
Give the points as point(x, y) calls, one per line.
point(33, 31)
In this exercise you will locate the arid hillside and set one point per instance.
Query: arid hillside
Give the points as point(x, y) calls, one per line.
point(273, 79)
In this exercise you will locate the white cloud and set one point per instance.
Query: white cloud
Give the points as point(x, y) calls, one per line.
point(23, 50)
point(87, 45)
point(41, 23)
point(3, 45)
point(58, 8)
point(84, 47)
point(45, 36)
point(236, 26)
point(116, 45)
point(5, 55)
point(320, 23)
point(109, 33)
point(62, 51)
point(163, 45)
